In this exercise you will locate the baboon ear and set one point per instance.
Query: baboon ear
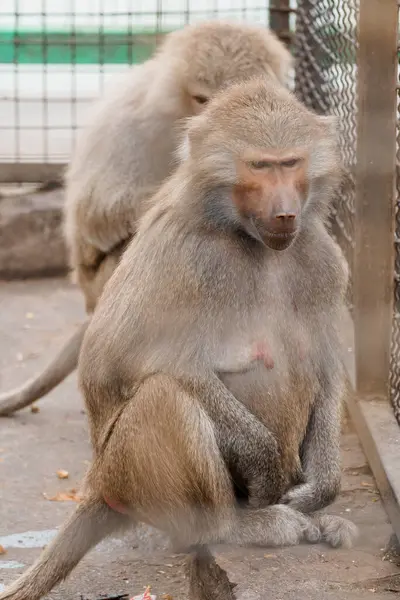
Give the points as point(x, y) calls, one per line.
point(183, 152)
point(196, 126)
point(329, 123)
point(192, 132)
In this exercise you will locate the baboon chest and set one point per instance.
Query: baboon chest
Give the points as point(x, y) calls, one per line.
point(272, 364)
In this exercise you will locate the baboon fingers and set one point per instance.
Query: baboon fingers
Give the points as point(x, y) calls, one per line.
point(59, 368)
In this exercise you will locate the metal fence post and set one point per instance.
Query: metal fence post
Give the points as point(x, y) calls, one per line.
point(279, 19)
point(375, 195)
point(373, 274)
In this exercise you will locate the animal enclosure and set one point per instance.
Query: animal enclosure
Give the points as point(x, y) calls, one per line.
point(354, 74)
point(55, 57)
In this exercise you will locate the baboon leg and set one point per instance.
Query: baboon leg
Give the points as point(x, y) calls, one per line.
point(178, 481)
point(92, 521)
point(162, 461)
point(162, 464)
point(207, 580)
point(93, 277)
point(59, 368)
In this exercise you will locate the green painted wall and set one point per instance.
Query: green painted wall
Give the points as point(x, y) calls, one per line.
point(81, 47)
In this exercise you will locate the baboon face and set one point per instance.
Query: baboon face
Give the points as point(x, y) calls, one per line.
point(271, 164)
point(272, 188)
point(213, 55)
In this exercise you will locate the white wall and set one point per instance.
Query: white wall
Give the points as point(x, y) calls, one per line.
point(112, 13)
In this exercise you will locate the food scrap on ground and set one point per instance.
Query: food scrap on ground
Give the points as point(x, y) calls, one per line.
point(2, 550)
point(70, 495)
point(35, 409)
point(61, 474)
point(145, 596)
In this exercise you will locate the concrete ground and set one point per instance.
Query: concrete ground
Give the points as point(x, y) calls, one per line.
point(35, 318)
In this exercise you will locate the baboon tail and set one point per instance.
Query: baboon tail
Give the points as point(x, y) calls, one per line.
point(92, 521)
point(59, 368)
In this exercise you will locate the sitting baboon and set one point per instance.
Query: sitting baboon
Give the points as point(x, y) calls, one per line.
point(212, 363)
point(129, 148)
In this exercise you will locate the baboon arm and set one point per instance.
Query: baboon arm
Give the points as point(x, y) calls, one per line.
point(59, 368)
point(266, 482)
point(321, 451)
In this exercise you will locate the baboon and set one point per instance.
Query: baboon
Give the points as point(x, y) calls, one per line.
point(129, 149)
point(211, 368)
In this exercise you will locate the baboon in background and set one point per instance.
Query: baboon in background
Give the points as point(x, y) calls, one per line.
point(213, 359)
point(128, 150)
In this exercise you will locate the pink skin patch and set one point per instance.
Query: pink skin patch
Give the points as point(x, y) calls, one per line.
point(263, 352)
point(302, 351)
point(117, 506)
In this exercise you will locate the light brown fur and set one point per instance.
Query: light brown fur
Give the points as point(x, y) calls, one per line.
point(130, 146)
point(176, 427)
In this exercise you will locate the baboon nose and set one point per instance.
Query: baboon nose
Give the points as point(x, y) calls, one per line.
point(283, 222)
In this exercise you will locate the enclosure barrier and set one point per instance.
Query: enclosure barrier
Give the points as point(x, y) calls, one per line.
point(354, 74)
point(55, 58)
point(347, 65)
point(376, 312)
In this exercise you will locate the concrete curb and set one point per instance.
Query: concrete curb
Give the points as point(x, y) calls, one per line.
point(31, 239)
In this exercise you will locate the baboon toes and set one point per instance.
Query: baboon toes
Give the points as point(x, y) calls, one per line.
point(312, 534)
point(337, 532)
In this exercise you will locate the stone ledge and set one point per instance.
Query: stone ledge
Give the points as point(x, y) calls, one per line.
point(31, 239)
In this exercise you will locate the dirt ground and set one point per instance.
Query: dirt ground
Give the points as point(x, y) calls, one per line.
point(35, 318)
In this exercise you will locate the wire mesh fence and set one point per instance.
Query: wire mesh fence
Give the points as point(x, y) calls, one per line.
point(326, 43)
point(56, 57)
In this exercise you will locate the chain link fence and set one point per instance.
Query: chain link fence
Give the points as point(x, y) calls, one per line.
point(325, 47)
point(326, 76)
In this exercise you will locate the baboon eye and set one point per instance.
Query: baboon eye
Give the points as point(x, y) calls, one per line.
point(290, 163)
point(260, 164)
point(200, 99)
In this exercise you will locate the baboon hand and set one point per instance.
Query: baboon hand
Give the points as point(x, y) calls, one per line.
point(255, 457)
point(311, 496)
point(334, 530)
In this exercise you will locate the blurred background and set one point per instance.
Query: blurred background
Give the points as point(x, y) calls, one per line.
point(56, 56)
